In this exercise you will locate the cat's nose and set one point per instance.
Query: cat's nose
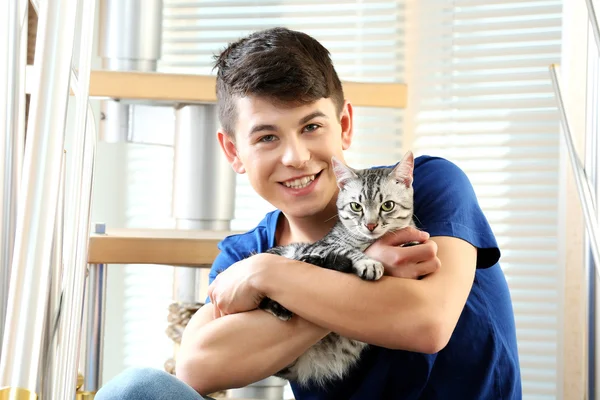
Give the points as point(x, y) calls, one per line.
point(371, 227)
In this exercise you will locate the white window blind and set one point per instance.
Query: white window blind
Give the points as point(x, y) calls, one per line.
point(480, 95)
point(365, 38)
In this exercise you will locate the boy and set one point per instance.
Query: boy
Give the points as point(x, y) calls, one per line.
point(449, 335)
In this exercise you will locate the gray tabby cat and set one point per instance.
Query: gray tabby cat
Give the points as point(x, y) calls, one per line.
point(371, 202)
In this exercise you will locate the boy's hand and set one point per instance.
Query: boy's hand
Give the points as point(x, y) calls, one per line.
point(233, 290)
point(405, 262)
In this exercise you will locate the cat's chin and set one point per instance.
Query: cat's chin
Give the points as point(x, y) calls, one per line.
point(372, 235)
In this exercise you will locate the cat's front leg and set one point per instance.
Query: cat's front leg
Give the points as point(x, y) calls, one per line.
point(364, 267)
point(276, 309)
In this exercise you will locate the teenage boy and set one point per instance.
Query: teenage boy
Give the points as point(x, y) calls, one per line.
point(448, 335)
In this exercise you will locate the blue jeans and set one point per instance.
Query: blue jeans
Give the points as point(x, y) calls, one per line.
point(146, 384)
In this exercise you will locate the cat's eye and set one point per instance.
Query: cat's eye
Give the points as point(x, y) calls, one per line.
point(355, 207)
point(388, 206)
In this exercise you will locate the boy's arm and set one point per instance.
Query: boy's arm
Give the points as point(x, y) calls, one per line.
point(219, 352)
point(239, 349)
point(414, 315)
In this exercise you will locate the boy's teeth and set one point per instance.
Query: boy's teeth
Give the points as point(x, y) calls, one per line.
point(300, 183)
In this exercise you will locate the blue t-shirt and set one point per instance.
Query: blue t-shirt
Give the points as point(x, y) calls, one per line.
point(480, 361)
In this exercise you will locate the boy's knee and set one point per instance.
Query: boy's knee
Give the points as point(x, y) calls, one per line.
point(142, 383)
point(146, 373)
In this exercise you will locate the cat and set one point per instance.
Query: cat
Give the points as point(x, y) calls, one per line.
point(370, 203)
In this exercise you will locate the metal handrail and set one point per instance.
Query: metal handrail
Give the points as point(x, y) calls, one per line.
point(12, 137)
point(593, 17)
point(41, 177)
point(55, 47)
point(592, 358)
point(584, 190)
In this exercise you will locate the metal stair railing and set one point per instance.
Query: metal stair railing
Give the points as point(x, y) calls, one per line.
point(593, 17)
point(587, 179)
point(43, 324)
point(584, 189)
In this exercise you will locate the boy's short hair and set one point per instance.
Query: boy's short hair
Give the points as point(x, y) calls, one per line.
point(278, 63)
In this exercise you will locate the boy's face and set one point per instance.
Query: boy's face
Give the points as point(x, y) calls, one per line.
point(286, 151)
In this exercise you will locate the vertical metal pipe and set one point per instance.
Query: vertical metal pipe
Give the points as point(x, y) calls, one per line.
point(77, 215)
point(95, 327)
point(74, 277)
point(592, 167)
point(47, 373)
point(130, 40)
point(130, 34)
point(586, 196)
point(19, 144)
point(203, 185)
point(595, 25)
point(12, 100)
point(589, 202)
point(203, 181)
point(38, 197)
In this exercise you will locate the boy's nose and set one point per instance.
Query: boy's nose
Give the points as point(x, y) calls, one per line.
point(296, 155)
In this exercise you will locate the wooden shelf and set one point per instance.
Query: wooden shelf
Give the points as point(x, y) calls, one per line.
point(153, 87)
point(201, 89)
point(155, 246)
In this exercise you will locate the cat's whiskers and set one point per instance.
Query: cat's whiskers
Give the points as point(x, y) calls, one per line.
point(357, 229)
point(329, 219)
point(417, 218)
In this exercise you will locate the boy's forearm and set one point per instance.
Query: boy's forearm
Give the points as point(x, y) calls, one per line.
point(392, 313)
point(396, 313)
point(236, 350)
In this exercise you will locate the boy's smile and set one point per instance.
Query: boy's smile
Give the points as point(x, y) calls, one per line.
point(301, 186)
point(286, 150)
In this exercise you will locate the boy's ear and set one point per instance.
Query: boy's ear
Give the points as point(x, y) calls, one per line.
point(230, 151)
point(346, 121)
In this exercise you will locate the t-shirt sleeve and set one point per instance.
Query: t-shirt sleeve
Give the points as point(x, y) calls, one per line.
point(227, 256)
point(237, 247)
point(446, 205)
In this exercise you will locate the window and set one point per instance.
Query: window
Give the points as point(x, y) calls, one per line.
point(480, 95)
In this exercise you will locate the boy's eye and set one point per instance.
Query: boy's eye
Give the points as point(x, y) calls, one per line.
point(388, 206)
point(355, 207)
point(311, 127)
point(267, 138)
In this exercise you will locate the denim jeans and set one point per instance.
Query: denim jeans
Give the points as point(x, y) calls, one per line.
point(146, 384)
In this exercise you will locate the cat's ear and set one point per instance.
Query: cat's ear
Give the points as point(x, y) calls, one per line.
point(403, 172)
point(342, 172)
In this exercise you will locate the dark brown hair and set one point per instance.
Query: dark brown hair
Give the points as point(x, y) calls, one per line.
point(278, 63)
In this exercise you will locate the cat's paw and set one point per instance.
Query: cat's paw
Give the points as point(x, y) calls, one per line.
point(314, 260)
point(369, 270)
point(276, 309)
point(283, 315)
